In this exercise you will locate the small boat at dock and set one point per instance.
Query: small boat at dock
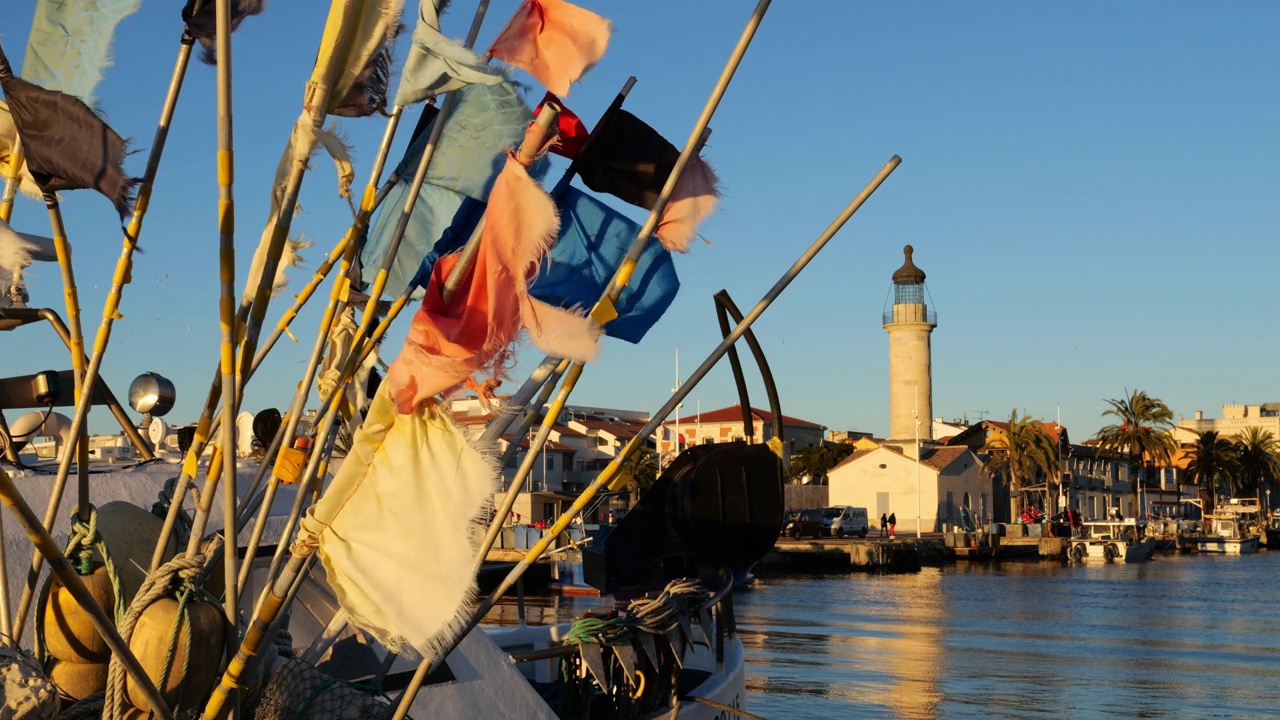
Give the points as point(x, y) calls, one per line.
point(1117, 540)
point(1233, 528)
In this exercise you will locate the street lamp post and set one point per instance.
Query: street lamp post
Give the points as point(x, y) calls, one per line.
point(915, 414)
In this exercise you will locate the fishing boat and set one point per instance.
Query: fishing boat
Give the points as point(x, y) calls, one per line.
point(1117, 540)
point(1233, 528)
point(300, 557)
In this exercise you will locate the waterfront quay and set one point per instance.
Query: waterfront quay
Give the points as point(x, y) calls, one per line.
point(906, 553)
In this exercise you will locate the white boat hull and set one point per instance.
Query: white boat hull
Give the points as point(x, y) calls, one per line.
point(1113, 551)
point(1228, 546)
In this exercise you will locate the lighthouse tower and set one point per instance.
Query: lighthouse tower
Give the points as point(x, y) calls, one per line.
point(910, 324)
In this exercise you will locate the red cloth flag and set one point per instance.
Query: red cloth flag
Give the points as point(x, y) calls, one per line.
point(553, 41)
point(448, 342)
point(571, 132)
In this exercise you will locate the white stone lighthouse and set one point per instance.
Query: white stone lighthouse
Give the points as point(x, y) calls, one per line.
point(910, 325)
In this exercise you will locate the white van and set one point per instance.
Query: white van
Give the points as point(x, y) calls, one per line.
point(844, 520)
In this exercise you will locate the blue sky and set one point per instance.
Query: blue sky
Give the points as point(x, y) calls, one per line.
point(1090, 188)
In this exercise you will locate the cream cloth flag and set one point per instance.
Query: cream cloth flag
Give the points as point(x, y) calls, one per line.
point(397, 529)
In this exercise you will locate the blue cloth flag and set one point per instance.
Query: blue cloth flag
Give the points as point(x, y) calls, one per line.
point(594, 238)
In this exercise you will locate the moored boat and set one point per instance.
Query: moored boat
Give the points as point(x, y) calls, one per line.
point(1113, 541)
point(1232, 529)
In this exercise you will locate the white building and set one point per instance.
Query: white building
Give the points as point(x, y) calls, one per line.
point(888, 479)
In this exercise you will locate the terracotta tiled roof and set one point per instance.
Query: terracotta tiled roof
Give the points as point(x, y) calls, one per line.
point(941, 458)
point(733, 413)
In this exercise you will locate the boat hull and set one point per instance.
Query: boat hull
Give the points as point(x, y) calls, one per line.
point(1228, 546)
point(1111, 551)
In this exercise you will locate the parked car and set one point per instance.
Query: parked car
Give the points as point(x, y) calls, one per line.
point(844, 520)
point(803, 523)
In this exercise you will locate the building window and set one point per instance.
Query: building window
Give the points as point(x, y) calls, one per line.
point(708, 441)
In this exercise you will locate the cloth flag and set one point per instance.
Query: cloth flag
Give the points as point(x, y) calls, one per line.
point(553, 41)
point(593, 240)
point(69, 44)
point(396, 527)
point(356, 34)
point(632, 161)
point(67, 146)
point(437, 65)
point(486, 121)
point(571, 133)
point(202, 23)
point(448, 342)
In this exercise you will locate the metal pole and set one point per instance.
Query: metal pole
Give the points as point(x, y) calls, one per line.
point(915, 414)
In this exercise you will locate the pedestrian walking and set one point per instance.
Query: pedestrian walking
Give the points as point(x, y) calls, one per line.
point(884, 525)
point(893, 521)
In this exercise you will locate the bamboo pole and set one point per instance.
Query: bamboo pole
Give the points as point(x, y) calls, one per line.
point(12, 178)
point(80, 443)
point(227, 315)
point(71, 581)
point(609, 477)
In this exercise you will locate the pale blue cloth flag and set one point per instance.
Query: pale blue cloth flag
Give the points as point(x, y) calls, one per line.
point(70, 42)
point(437, 65)
point(487, 121)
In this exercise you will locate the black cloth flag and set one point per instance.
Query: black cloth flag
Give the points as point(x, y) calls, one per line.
point(202, 21)
point(627, 159)
point(67, 146)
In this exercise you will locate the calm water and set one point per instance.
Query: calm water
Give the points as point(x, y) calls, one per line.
point(1180, 636)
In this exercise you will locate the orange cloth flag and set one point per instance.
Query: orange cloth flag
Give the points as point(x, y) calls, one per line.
point(447, 343)
point(553, 41)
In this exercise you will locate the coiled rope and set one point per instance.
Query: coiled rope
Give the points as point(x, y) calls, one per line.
point(682, 597)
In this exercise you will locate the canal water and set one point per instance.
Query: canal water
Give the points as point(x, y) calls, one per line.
point(1178, 637)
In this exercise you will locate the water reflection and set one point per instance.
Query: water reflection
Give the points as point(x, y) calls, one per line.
point(1180, 636)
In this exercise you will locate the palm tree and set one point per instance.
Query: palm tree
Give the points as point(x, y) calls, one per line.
point(1259, 464)
point(1213, 462)
point(1141, 436)
point(640, 470)
point(1021, 454)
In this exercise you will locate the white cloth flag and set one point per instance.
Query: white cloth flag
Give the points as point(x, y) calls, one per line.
point(397, 528)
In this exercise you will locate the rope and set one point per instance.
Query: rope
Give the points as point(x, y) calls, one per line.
point(662, 614)
point(615, 631)
point(83, 541)
point(727, 708)
point(177, 572)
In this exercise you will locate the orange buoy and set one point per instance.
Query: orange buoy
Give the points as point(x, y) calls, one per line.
point(150, 643)
point(68, 633)
point(78, 680)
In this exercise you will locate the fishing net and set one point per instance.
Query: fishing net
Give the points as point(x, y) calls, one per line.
point(298, 691)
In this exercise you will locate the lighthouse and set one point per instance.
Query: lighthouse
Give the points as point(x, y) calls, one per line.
point(910, 325)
